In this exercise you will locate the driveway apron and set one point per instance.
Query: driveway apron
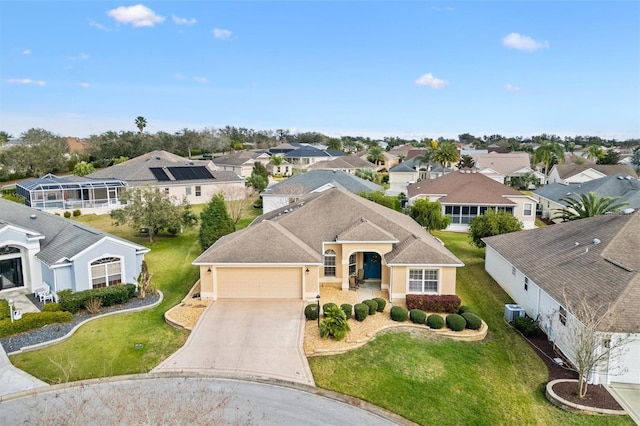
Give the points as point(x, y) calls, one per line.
point(246, 338)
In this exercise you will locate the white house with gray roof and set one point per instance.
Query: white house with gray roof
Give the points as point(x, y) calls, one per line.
point(39, 248)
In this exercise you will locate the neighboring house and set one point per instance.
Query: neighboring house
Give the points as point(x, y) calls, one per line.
point(294, 188)
point(283, 148)
point(177, 176)
point(76, 145)
point(574, 173)
point(623, 186)
point(39, 248)
point(389, 161)
point(322, 241)
point(503, 167)
point(57, 194)
point(465, 194)
point(241, 162)
point(305, 155)
point(410, 171)
point(594, 258)
point(346, 163)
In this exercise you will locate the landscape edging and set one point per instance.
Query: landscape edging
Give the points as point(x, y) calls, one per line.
point(573, 407)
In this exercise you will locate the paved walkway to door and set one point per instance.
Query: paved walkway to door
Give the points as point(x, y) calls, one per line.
point(246, 338)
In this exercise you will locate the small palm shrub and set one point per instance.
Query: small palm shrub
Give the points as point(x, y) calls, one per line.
point(398, 313)
point(417, 316)
point(381, 303)
point(347, 309)
point(456, 322)
point(311, 312)
point(360, 311)
point(93, 305)
point(473, 321)
point(334, 324)
point(373, 306)
point(435, 321)
point(327, 306)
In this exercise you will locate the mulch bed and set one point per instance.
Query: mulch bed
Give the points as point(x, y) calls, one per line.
point(597, 395)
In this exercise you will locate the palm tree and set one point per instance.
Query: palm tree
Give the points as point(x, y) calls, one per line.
point(588, 205)
point(466, 162)
point(594, 152)
point(548, 153)
point(425, 158)
point(376, 155)
point(141, 123)
point(334, 144)
point(276, 161)
point(367, 174)
point(445, 154)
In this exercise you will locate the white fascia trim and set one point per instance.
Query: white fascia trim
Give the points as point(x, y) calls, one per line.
point(521, 196)
point(31, 235)
point(113, 240)
point(363, 242)
point(60, 265)
point(427, 265)
point(253, 265)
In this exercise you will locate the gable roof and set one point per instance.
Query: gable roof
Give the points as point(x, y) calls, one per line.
point(307, 152)
point(402, 168)
point(321, 218)
point(502, 163)
point(63, 238)
point(604, 264)
point(237, 158)
point(628, 189)
point(465, 186)
point(344, 162)
point(314, 179)
point(567, 170)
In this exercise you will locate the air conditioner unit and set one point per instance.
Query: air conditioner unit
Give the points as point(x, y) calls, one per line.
point(512, 312)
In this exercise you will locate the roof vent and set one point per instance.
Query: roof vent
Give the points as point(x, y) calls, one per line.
point(627, 177)
point(576, 244)
point(157, 158)
point(620, 177)
point(596, 241)
point(628, 210)
point(33, 216)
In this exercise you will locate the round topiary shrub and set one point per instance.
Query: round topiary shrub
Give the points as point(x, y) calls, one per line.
point(473, 321)
point(417, 316)
point(360, 311)
point(456, 322)
point(311, 311)
point(328, 306)
point(398, 313)
point(435, 321)
point(77, 213)
point(347, 309)
point(67, 214)
point(373, 306)
point(381, 303)
point(463, 309)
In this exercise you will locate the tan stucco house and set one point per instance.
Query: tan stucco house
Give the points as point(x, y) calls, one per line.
point(323, 240)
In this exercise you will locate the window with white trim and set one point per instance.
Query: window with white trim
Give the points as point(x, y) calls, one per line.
point(562, 314)
point(187, 190)
point(329, 263)
point(528, 209)
point(423, 280)
point(526, 284)
point(166, 191)
point(106, 271)
point(513, 271)
point(198, 190)
point(352, 264)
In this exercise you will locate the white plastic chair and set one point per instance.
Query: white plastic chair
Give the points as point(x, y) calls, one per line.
point(48, 297)
point(42, 289)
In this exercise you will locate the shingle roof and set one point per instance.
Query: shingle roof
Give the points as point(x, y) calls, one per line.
point(502, 163)
point(307, 152)
point(464, 187)
point(64, 238)
point(321, 218)
point(567, 170)
point(314, 179)
point(402, 168)
point(237, 158)
point(609, 186)
point(608, 271)
point(344, 162)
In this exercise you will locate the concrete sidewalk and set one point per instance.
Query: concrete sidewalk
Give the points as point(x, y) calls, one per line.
point(628, 396)
point(13, 379)
point(246, 338)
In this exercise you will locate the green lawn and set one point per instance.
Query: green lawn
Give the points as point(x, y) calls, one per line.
point(433, 380)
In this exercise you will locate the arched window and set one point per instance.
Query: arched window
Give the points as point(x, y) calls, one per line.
point(9, 250)
point(329, 263)
point(106, 271)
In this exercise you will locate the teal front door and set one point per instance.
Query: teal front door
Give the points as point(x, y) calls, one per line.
point(372, 266)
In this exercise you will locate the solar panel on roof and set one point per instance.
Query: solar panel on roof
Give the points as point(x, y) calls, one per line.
point(159, 174)
point(190, 173)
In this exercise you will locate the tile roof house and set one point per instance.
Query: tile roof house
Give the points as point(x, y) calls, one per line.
point(178, 177)
point(549, 269)
point(465, 194)
point(241, 162)
point(294, 188)
point(619, 185)
point(323, 240)
point(574, 173)
point(39, 248)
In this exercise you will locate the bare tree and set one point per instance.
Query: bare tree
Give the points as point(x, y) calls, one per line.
point(237, 200)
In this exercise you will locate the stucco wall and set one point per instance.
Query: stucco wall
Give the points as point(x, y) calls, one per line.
point(231, 190)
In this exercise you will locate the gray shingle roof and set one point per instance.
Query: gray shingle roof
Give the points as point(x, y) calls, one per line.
point(237, 158)
point(63, 238)
point(314, 179)
point(605, 272)
point(609, 186)
point(307, 152)
point(402, 168)
point(567, 170)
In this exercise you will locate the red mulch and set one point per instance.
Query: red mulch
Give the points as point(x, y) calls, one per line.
point(597, 395)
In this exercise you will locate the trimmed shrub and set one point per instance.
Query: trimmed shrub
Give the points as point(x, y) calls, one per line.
point(77, 213)
point(360, 311)
point(463, 309)
point(381, 303)
point(328, 306)
point(335, 323)
point(311, 311)
point(4, 309)
point(373, 306)
point(417, 316)
point(456, 322)
point(435, 321)
point(67, 214)
point(473, 321)
point(526, 326)
point(449, 303)
point(347, 309)
point(132, 290)
point(398, 313)
point(51, 307)
point(31, 321)
point(109, 296)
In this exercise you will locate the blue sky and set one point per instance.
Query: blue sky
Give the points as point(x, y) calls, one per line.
point(371, 68)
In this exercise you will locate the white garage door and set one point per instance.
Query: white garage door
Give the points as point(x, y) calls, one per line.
point(259, 283)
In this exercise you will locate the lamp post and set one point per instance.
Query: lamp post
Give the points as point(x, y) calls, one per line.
point(10, 308)
point(318, 299)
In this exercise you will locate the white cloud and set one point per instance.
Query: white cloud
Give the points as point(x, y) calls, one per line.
point(522, 42)
point(511, 87)
point(83, 85)
point(431, 81)
point(26, 52)
point(201, 80)
point(183, 21)
point(98, 26)
point(138, 16)
point(26, 81)
point(221, 34)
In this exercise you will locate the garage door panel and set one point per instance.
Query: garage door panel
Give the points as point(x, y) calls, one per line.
point(259, 283)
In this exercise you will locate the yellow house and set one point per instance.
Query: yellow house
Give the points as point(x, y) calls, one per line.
point(323, 241)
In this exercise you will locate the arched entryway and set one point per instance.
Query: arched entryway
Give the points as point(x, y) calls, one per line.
point(372, 265)
point(11, 275)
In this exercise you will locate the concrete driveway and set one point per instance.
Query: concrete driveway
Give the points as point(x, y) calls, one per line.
point(246, 338)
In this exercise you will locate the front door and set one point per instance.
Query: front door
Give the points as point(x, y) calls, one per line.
point(372, 266)
point(11, 273)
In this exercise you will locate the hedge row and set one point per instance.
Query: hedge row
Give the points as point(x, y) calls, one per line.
point(32, 320)
point(114, 294)
point(449, 303)
point(4, 309)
